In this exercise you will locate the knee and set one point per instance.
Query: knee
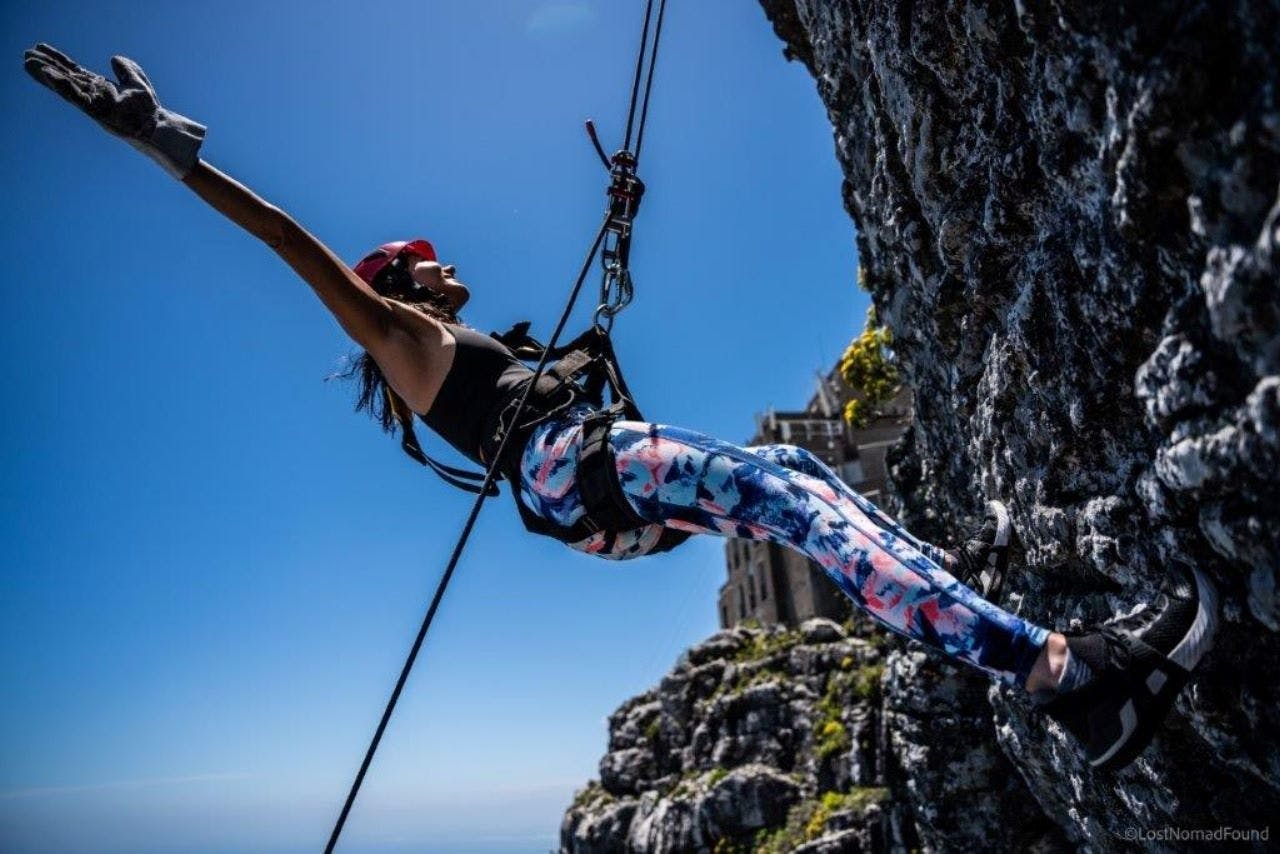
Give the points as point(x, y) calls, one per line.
point(804, 462)
point(798, 457)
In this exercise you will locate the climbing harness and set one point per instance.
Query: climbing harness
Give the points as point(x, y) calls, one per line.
point(587, 367)
point(614, 236)
point(582, 371)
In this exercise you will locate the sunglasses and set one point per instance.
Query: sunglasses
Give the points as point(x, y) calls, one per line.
point(395, 280)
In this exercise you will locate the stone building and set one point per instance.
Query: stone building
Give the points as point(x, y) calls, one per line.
point(772, 583)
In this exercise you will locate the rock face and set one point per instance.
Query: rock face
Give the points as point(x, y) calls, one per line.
point(779, 740)
point(751, 727)
point(1067, 213)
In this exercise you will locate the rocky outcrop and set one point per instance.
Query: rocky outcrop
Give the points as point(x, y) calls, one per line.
point(749, 730)
point(775, 740)
point(1067, 214)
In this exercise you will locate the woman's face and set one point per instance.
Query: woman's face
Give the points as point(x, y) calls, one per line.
point(439, 279)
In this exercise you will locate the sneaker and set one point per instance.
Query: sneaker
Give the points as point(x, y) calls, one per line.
point(980, 563)
point(1139, 663)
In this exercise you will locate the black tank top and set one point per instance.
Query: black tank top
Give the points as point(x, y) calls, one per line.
point(484, 376)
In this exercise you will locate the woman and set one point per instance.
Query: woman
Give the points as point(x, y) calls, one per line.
point(1110, 687)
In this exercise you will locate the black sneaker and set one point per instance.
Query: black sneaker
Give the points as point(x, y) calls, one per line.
point(1139, 663)
point(982, 559)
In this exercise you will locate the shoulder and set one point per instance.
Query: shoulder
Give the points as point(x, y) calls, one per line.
point(415, 355)
point(428, 330)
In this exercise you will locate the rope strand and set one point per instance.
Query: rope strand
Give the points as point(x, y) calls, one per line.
point(492, 471)
point(648, 86)
point(490, 477)
point(635, 84)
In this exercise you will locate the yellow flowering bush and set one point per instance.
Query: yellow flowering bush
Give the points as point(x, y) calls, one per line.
point(867, 366)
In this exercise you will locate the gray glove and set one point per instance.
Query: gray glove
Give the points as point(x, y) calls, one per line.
point(128, 109)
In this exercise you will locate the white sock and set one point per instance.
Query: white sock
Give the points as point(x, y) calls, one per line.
point(1075, 673)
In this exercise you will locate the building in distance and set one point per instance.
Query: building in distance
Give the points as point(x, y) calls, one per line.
point(774, 584)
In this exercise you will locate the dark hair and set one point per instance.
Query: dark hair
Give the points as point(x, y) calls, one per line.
point(373, 389)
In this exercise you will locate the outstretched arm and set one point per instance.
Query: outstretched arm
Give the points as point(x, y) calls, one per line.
point(413, 350)
point(365, 315)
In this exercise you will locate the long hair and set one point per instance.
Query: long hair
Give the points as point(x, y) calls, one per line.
point(375, 396)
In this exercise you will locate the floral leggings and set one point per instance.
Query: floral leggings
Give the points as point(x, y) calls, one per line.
point(682, 479)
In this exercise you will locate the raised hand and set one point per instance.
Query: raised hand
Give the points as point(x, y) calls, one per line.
point(127, 108)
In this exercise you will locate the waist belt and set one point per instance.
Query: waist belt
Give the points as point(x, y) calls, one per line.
point(607, 509)
point(582, 371)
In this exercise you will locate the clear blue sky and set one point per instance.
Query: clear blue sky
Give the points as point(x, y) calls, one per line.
point(212, 568)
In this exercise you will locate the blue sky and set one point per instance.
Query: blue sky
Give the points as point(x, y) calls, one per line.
point(212, 568)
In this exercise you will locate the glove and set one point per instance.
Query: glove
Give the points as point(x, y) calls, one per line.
point(127, 109)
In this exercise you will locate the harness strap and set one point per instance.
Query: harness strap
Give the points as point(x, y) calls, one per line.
point(518, 340)
point(589, 358)
point(598, 485)
point(607, 510)
point(571, 365)
point(465, 480)
point(461, 478)
point(583, 369)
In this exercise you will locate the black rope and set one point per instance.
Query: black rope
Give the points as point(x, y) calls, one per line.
point(491, 473)
point(490, 477)
point(635, 84)
point(648, 86)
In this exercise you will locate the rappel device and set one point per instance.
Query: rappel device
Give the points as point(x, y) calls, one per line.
point(586, 367)
point(598, 367)
point(583, 371)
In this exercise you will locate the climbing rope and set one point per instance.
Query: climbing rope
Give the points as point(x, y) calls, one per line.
point(625, 188)
point(613, 243)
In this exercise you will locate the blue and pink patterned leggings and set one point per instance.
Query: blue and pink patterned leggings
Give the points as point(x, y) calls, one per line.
point(682, 479)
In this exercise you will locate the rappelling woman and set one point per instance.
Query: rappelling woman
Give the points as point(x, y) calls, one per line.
point(649, 485)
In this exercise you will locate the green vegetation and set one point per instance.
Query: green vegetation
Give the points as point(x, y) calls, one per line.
point(808, 819)
point(866, 681)
point(833, 738)
point(859, 798)
point(830, 735)
point(682, 789)
point(728, 846)
point(651, 731)
point(742, 680)
point(867, 366)
point(762, 646)
point(591, 797)
point(691, 780)
point(767, 644)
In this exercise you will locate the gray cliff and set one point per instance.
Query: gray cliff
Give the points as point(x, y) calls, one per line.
point(821, 739)
point(1067, 213)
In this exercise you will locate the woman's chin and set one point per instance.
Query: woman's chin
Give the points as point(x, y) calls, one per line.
point(458, 297)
